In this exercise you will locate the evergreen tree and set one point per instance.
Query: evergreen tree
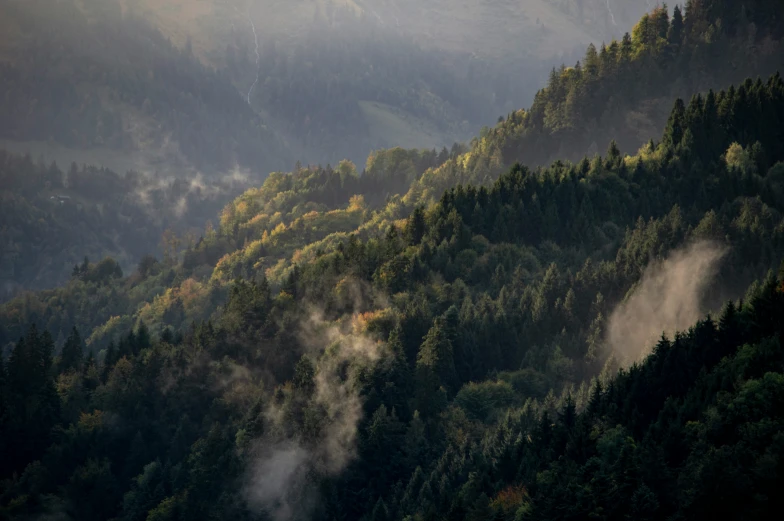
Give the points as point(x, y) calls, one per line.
point(415, 227)
point(675, 35)
point(673, 133)
point(435, 367)
point(143, 338)
point(72, 354)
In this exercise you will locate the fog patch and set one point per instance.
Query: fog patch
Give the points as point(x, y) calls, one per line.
point(290, 462)
point(156, 194)
point(668, 298)
point(279, 482)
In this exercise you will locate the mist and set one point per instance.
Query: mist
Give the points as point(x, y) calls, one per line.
point(286, 467)
point(667, 299)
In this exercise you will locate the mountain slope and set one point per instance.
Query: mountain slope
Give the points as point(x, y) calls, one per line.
point(423, 341)
point(565, 119)
point(88, 77)
point(407, 373)
point(292, 218)
point(693, 431)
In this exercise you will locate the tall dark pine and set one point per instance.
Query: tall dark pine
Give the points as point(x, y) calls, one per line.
point(73, 353)
point(435, 367)
point(675, 35)
point(143, 338)
point(673, 134)
point(33, 402)
point(415, 228)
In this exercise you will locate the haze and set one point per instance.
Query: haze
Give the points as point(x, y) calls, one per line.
point(327, 80)
point(391, 260)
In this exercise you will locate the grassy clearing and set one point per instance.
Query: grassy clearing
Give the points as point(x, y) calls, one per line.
point(390, 127)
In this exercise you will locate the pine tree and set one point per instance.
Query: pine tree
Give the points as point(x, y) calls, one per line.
point(33, 402)
point(435, 370)
point(568, 414)
point(673, 133)
point(613, 159)
point(45, 355)
point(627, 47)
point(396, 375)
point(436, 354)
point(415, 227)
point(675, 35)
point(143, 338)
point(304, 376)
point(380, 511)
point(595, 402)
point(591, 62)
point(73, 352)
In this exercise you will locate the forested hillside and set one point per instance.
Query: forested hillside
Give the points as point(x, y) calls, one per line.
point(312, 209)
point(515, 329)
point(415, 371)
point(623, 91)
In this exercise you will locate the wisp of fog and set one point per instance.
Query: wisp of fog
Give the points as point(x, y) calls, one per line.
point(286, 469)
point(668, 298)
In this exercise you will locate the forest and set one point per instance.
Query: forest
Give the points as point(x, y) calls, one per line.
point(510, 329)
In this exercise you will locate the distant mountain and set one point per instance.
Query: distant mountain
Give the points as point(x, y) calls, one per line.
point(81, 75)
point(342, 78)
point(542, 28)
point(184, 85)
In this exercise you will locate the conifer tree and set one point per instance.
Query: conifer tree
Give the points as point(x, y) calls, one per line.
point(72, 354)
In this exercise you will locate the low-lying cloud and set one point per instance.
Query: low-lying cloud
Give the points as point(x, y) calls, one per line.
point(668, 298)
point(196, 187)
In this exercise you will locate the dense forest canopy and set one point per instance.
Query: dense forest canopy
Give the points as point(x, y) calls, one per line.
point(517, 328)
